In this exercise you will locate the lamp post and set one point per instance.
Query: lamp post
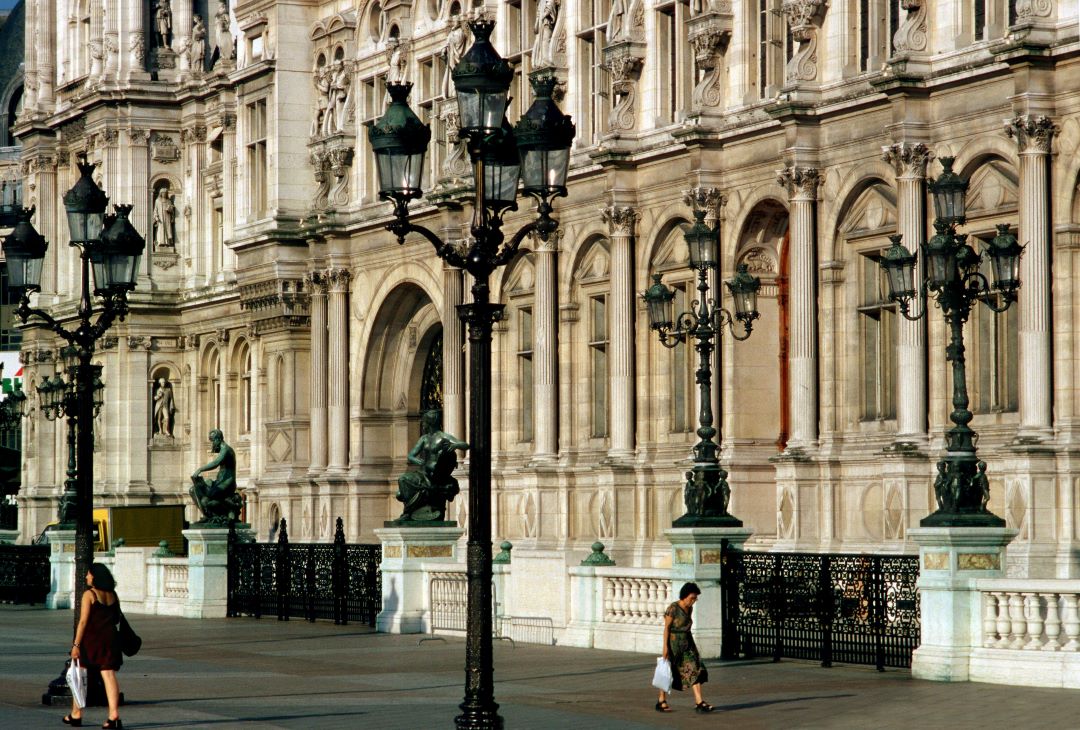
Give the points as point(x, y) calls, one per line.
point(707, 492)
point(536, 151)
point(954, 279)
point(111, 246)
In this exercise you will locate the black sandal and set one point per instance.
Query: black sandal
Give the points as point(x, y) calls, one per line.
point(73, 721)
point(663, 706)
point(113, 725)
point(704, 707)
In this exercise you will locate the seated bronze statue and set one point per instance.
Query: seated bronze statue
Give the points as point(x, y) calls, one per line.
point(425, 492)
point(217, 498)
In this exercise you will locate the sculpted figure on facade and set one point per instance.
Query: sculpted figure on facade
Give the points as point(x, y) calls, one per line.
point(197, 52)
point(163, 23)
point(456, 44)
point(164, 408)
point(224, 40)
point(336, 82)
point(164, 220)
point(547, 16)
point(321, 78)
point(397, 61)
point(617, 21)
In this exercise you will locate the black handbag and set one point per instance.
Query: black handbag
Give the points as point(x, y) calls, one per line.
point(129, 641)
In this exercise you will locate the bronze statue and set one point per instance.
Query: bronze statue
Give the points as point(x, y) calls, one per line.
point(426, 492)
point(218, 500)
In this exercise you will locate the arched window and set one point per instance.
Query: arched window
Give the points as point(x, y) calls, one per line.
point(670, 261)
point(519, 298)
point(593, 290)
point(243, 389)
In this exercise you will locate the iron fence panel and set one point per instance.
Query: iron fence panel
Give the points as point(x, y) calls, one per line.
point(24, 573)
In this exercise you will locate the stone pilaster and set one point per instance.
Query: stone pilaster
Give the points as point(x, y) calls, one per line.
point(338, 369)
point(45, 42)
point(802, 185)
point(317, 283)
point(1034, 136)
point(45, 218)
point(909, 161)
point(30, 72)
point(134, 43)
point(453, 353)
point(621, 221)
point(546, 351)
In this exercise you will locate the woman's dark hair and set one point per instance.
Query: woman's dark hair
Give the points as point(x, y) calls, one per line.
point(103, 579)
point(688, 589)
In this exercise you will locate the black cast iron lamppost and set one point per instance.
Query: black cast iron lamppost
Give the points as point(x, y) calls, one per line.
point(706, 493)
point(954, 279)
point(111, 246)
point(536, 151)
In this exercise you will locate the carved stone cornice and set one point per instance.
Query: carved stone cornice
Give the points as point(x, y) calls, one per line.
point(621, 219)
point(1034, 135)
point(907, 159)
point(801, 183)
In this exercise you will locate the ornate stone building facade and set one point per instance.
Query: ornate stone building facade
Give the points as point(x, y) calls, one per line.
point(274, 305)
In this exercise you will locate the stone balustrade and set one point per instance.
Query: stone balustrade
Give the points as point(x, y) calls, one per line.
point(636, 600)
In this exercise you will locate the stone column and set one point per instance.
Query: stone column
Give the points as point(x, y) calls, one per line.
point(453, 353)
point(181, 23)
point(317, 284)
point(621, 221)
point(133, 51)
point(909, 162)
point(338, 370)
point(30, 41)
point(45, 218)
point(546, 351)
point(46, 56)
point(1034, 136)
point(802, 185)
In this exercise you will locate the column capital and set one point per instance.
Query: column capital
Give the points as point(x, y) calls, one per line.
point(908, 159)
point(1034, 135)
point(621, 219)
point(338, 280)
point(316, 282)
point(551, 245)
point(711, 200)
point(801, 183)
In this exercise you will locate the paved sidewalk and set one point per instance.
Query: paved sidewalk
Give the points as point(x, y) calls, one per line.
point(234, 673)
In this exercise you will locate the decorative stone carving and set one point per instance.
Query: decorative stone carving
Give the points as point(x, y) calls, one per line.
point(1032, 134)
point(620, 219)
point(320, 162)
point(320, 76)
point(909, 160)
point(112, 53)
point(337, 97)
point(338, 279)
point(758, 262)
point(137, 50)
point(547, 18)
point(95, 63)
point(340, 160)
point(711, 200)
point(804, 21)
point(456, 165)
point(625, 21)
point(163, 149)
point(624, 60)
point(225, 48)
point(800, 182)
point(709, 35)
point(911, 35)
point(1028, 10)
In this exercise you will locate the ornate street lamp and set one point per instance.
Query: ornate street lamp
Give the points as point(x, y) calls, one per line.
point(537, 151)
point(706, 493)
point(954, 278)
point(113, 246)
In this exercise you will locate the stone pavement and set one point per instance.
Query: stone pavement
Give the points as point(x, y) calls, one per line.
point(227, 673)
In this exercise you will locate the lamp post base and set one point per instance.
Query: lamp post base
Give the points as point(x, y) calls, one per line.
point(478, 717)
point(59, 693)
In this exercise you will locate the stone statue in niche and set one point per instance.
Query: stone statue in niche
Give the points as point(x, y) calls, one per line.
point(340, 84)
point(163, 23)
point(547, 15)
point(217, 499)
point(164, 408)
point(397, 61)
point(456, 45)
point(222, 21)
point(425, 492)
point(616, 25)
point(321, 77)
point(164, 220)
point(198, 45)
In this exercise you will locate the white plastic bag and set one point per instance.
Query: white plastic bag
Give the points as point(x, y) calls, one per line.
point(76, 682)
point(661, 678)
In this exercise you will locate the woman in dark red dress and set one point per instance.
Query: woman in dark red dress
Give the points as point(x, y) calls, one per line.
point(95, 640)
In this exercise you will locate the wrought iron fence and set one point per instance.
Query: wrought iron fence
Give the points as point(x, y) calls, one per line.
point(855, 609)
point(335, 580)
point(24, 573)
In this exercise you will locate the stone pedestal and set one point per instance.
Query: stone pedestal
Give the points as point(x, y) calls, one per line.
point(804, 516)
point(62, 569)
point(951, 560)
point(408, 553)
point(208, 570)
point(695, 557)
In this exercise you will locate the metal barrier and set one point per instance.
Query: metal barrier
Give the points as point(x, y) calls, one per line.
point(450, 606)
point(856, 609)
point(308, 580)
point(24, 573)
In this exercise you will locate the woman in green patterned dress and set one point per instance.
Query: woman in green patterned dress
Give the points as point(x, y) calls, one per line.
point(681, 651)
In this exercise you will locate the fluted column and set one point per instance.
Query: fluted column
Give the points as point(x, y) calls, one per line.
point(546, 351)
point(453, 353)
point(909, 161)
point(338, 369)
point(621, 221)
point(30, 72)
point(317, 433)
point(46, 216)
point(46, 55)
point(1034, 136)
point(181, 24)
point(802, 185)
point(133, 51)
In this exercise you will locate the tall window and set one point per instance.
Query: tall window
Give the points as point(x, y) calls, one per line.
point(878, 21)
point(992, 356)
point(598, 364)
point(10, 334)
point(525, 372)
point(593, 79)
point(256, 157)
point(676, 81)
point(682, 370)
point(372, 94)
point(428, 88)
point(520, 21)
point(774, 47)
point(877, 338)
point(245, 392)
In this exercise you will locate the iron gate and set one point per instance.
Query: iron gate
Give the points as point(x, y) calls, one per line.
point(855, 609)
point(308, 580)
point(24, 573)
